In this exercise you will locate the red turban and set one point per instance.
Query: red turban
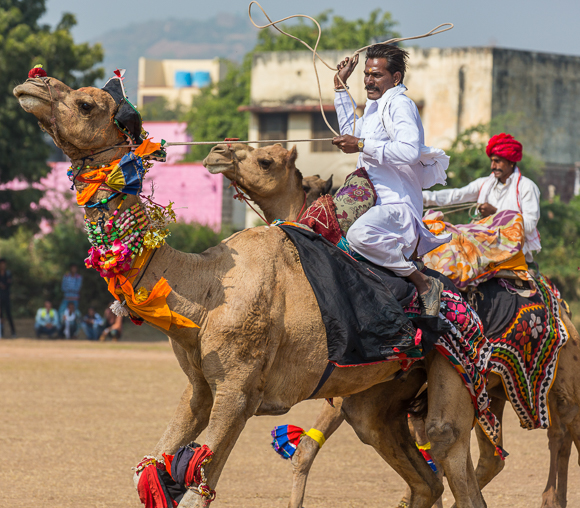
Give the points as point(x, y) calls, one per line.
point(504, 145)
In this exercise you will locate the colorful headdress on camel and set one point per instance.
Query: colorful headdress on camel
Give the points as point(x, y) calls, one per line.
point(506, 146)
point(127, 119)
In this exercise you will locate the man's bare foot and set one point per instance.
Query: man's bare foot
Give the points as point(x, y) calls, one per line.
point(431, 299)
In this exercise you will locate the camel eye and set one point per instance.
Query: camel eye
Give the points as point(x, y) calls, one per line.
point(85, 107)
point(265, 163)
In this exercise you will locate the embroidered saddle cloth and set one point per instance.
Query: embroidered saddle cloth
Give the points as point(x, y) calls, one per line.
point(527, 335)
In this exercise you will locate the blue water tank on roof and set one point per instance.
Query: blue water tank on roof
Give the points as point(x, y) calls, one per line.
point(183, 79)
point(201, 79)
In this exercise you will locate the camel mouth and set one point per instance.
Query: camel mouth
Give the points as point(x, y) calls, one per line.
point(30, 96)
point(218, 167)
point(216, 164)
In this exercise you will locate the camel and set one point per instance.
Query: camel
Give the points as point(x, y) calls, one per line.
point(260, 344)
point(564, 397)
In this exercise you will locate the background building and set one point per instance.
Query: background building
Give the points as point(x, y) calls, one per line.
point(178, 81)
point(533, 94)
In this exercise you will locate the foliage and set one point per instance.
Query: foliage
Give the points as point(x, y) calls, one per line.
point(193, 237)
point(159, 110)
point(337, 33)
point(559, 258)
point(39, 262)
point(23, 44)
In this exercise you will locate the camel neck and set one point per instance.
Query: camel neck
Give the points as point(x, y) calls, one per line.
point(285, 207)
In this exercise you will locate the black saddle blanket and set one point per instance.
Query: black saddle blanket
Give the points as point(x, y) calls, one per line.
point(364, 320)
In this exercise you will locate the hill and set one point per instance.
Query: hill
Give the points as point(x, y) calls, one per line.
point(225, 35)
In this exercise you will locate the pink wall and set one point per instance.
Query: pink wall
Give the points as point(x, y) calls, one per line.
point(197, 194)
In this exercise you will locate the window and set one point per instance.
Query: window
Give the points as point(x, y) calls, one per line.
point(321, 130)
point(274, 126)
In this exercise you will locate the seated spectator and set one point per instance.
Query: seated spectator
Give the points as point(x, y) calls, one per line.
point(71, 288)
point(70, 322)
point(113, 326)
point(46, 322)
point(92, 324)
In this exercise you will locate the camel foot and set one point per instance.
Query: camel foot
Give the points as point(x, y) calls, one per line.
point(550, 499)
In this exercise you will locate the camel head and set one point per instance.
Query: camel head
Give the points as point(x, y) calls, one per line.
point(265, 172)
point(314, 186)
point(81, 122)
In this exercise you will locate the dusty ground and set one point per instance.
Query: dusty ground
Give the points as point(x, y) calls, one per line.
point(76, 416)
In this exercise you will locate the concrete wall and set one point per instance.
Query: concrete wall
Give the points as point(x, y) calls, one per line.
point(453, 89)
point(157, 78)
point(540, 92)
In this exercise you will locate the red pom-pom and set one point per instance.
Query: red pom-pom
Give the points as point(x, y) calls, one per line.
point(37, 72)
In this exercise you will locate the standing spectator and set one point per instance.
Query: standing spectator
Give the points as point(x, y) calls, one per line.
point(5, 283)
point(71, 319)
point(71, 288)
point(92, 324)
point(114, 326)
point(46, 322)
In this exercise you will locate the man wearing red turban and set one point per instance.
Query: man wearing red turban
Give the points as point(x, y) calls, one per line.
point(505, 189)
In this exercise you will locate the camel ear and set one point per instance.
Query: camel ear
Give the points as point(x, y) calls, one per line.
point(292, 156)
point(328, 185)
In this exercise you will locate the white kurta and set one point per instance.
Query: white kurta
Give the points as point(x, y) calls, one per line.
point(500, 196)
point(389, 232)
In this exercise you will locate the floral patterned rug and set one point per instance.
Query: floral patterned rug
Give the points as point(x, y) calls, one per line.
point(476, 250)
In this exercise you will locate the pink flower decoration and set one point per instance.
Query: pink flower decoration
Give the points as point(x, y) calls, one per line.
point(110, 262)
point(456, 313)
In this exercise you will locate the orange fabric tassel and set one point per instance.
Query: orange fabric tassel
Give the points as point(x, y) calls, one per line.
point(94, 179)
point(154, 309)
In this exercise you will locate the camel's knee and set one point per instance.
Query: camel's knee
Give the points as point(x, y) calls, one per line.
point(305, 454)
point(442, 436)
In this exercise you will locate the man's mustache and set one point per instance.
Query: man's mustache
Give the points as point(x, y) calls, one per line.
point(369, 88)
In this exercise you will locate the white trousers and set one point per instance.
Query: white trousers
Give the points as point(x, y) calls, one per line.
point(387, 236)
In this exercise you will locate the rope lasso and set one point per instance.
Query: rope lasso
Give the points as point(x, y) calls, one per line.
point(435, 31)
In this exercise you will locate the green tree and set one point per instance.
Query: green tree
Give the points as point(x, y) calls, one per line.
point(23, 44)
point(214, 113)
point(159, 110)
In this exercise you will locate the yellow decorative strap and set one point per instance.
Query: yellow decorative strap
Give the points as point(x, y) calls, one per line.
point(317, 436)
point(426, 446)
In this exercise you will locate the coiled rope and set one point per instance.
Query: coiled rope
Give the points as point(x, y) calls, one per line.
point(437, 30)
point(448, 209)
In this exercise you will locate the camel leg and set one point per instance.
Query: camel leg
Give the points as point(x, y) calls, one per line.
point(563, 462)
point(379, 418)
point(233, 405)
point(559, 444)
point(490, 464)
point(448, 426)
point(189, 419)
point(417, 428)
point(327, 422)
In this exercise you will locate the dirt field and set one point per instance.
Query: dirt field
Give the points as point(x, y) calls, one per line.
point(76, 416)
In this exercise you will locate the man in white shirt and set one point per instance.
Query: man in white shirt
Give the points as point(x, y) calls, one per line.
point(389, 138)
point(505, 189)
